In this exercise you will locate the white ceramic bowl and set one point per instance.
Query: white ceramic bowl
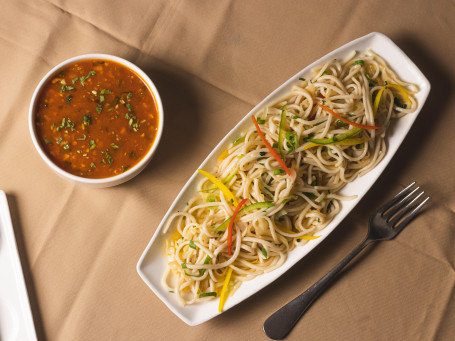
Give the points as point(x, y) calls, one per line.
point(109, 181)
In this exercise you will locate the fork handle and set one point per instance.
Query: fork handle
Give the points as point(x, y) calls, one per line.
point(279, 324)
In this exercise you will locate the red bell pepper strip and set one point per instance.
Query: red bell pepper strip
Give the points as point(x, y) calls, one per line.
point(270, 148)
point(358, 125)
point(231, 224)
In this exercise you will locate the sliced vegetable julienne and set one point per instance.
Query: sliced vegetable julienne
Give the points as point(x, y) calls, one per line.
point(285, 230)
point(238, 141)
point(347, 142)
point(335, 139)
point(282, 131)
point(223, 155)
point(242, 212)
point(395, 86)
point(176, 235)
point(220, 185)
point(358, 125)
point(207, 294)
point(231, 225)
point(224, 291)
point(269, 147)
point(225, 181)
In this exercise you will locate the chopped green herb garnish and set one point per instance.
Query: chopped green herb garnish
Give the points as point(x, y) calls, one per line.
point(84, 78)
point(302, 79)
point(125, 168)
point(311, 196)
point(397, 102)
point(68, 99)
point(87, 119)
point(278, 171)
point(82, 138)
point(92, 165)
point(92, 144)
point(262, 153)
point(65, 87)
point(260, 121)
point(184, 266)
point(325, 73)
point(340, 123)
point(107, 158)
point(99, 108)
point(292, 141)
point(295, 117)
point(314, 125)
point(114, 146)
point(59, 140)
point(329, 205)
point(129, 95)
point(192, 245)
point(47, 141)
point(264, 252)
point(359, 62)
point(372, 81)
point(66, 147)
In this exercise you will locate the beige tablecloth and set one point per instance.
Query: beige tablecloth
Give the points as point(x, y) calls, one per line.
point(212, 61)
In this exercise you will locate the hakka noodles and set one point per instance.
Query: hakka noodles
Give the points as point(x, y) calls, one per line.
point(96, 118)
point(278, 184)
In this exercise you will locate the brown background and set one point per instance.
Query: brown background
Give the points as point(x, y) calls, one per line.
point(212, 61)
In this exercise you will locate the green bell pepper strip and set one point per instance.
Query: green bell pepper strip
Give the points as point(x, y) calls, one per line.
point(281, 133)
point(337, 138)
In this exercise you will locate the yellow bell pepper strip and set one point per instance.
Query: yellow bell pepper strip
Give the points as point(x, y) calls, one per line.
point(231, 224)
point(285, 230)
point(266, 204)
point(347, 142)
point(224, 292)
point(223, 155)
point(225, 181)
point(338, 138)
point(281, 131)
point(269, 147)
point(395, 86)
point(341, 118)
point(220, 185)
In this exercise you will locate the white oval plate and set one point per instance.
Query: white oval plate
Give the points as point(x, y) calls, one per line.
point(153, 262)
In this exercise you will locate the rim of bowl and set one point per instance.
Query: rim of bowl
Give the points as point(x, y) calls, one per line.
point(113, 179)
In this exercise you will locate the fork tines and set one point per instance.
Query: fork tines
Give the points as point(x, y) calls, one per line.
point(404, 206)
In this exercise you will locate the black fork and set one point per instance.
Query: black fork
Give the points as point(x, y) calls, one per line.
point(385, 224)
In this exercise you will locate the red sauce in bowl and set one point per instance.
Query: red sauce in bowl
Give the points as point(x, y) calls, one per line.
point(96, 118)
